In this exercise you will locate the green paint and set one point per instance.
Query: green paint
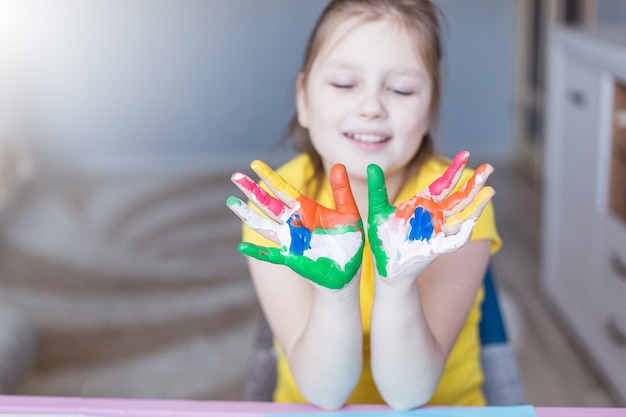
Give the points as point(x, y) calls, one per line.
point(233, 201)
point(339, 230)
point(379, 212)
point(323, 271)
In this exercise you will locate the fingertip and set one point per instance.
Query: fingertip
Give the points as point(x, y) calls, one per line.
point(247, 249)
point(484, 196)
point(237, 176)
point(339, 177)
point(461, 157)
point(375, 174)
point(233, 201)
point(373, 169)
point(260, 167)
point(487, 192)
point(338, 171)
point(485, 169)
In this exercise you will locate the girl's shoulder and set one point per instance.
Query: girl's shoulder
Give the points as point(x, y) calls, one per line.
point(299, 165)
point(298, 172)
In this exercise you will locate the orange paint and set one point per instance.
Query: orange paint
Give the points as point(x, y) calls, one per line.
point(458, 197)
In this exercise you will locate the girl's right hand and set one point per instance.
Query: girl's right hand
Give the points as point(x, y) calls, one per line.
point(406, 238)
point(321, 244)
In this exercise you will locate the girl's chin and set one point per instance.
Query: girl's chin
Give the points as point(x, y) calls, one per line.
point(357, 171)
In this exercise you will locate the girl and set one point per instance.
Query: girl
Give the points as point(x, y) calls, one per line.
point(385, 311)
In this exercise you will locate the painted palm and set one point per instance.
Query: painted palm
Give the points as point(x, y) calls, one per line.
point(407, 237)
point(322, 244)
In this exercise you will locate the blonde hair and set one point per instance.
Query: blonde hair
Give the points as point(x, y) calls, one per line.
point(419, 17)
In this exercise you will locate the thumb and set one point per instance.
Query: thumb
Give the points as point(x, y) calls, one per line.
point(272, 255)
point(342, 193)
point(378, 199)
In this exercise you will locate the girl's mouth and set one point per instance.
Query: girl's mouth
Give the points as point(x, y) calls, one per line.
point(368, 137)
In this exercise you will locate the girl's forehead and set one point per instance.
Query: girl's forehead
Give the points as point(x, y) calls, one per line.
point(359, 34)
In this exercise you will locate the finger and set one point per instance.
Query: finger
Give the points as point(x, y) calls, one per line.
point(442, 186)
point(262, 253)
point(460, 238)
point(342, 193)
point(281, 188)
point(378, 199)
point(457, 201)
point(471, 212)
point(268, 204)
point(262, 225)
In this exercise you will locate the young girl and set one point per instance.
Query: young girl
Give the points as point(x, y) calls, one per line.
point(383, 308)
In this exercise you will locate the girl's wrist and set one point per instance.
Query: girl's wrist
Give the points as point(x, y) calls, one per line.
point(351, 291)
point(396, 287)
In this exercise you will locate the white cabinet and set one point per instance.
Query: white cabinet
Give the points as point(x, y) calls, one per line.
point(584, 216)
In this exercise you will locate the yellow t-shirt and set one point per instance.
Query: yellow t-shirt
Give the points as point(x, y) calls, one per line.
point(462, 377)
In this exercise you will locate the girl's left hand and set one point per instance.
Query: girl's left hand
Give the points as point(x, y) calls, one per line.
point(322, 244)
point(406, 238)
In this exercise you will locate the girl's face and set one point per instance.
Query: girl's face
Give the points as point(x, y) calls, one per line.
point(367, 98)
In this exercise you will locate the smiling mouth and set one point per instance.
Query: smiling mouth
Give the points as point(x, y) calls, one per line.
point(368, 138)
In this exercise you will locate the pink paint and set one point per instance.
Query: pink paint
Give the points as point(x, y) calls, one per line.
point(258, 194)
point(445, 182)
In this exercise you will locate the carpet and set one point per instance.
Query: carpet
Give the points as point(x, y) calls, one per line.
point(133, 282)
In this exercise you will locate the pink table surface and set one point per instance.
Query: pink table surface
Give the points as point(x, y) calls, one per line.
point(184, 408)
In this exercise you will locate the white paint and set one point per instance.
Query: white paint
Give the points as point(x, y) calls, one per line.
point(405, 254)
point(340, 248)
point(277, 232)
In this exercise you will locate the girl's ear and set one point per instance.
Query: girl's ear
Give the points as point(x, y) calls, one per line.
point(301, 106)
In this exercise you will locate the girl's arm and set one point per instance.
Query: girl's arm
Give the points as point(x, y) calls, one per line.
point(415, 325)
point(318, 330)
point(313, 305)
point(427, 278)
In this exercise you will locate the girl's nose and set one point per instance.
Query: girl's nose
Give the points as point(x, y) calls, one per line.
point(372, 107)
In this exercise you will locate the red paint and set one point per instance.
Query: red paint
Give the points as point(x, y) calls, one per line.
point(458, 197)
point(258, 194)
point(445, 182)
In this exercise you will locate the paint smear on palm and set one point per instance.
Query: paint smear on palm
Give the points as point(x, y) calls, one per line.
point(316, 232)
point(408, 252)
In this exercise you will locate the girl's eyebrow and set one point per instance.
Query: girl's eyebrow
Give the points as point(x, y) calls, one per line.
point(409, 71)
point(402, 71)
point(341, 64)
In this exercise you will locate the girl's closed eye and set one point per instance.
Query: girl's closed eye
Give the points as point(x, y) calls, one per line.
point(402, 91)
point(343, 85)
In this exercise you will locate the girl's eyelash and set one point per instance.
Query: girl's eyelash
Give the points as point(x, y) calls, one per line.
point(402, 92)
point(342, 85)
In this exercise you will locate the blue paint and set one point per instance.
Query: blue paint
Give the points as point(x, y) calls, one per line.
point(420, 225)
point(300, 236)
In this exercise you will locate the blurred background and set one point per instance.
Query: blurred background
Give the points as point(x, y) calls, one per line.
point(120, 124)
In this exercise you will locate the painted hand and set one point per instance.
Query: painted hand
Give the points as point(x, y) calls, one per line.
point(406, 238)
point(323, 245)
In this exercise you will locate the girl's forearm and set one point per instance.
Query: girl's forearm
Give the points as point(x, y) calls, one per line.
point(407, 361)
point(326, 360)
